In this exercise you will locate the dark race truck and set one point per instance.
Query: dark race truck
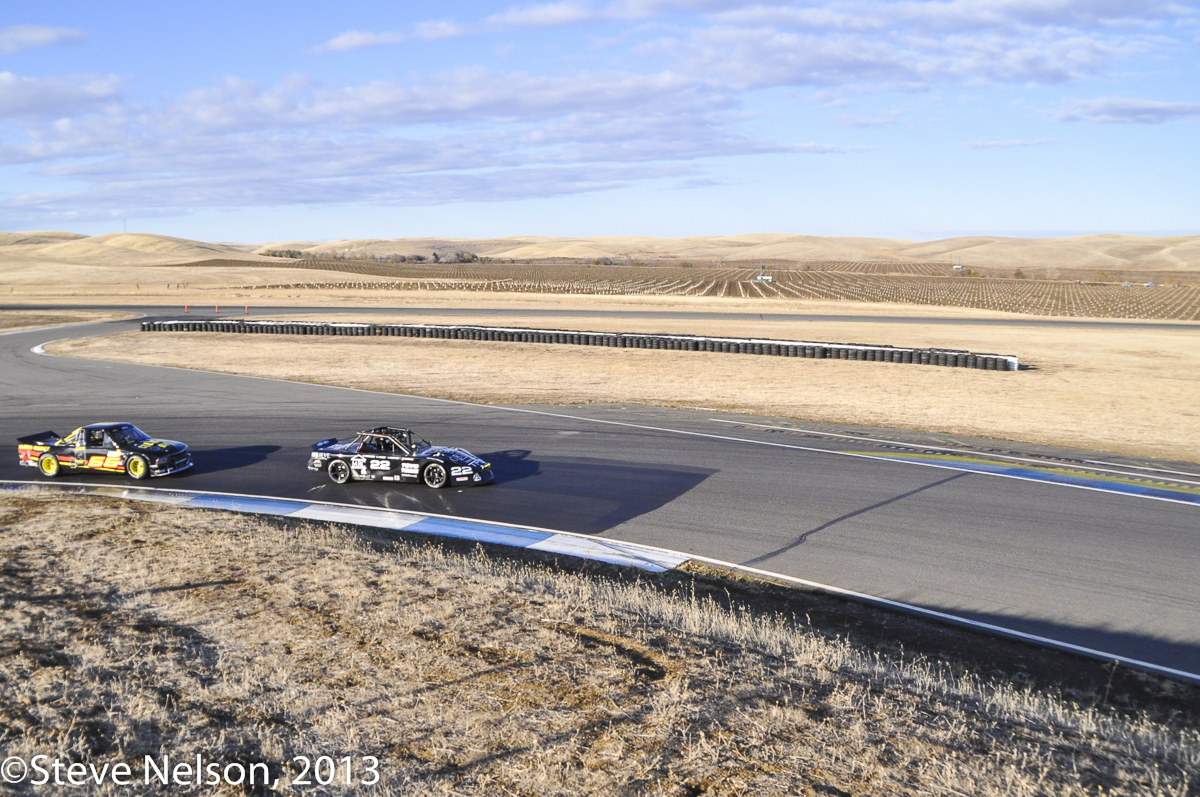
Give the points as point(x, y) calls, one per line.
point(104, 447)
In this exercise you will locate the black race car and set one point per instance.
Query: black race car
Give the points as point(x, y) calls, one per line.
point(391, 454)
point(111, 447)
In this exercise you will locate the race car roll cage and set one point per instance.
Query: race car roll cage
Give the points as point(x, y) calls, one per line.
point(390, 440)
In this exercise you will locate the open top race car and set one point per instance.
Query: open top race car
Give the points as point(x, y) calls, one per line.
point(391, 454)
point(109, 447)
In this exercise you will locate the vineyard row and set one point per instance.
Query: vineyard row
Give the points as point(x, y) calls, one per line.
point(1029, 297)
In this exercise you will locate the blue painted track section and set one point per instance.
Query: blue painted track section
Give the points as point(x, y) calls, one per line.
point(480, 532)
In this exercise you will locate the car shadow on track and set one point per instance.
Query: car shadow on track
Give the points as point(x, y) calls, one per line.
point(513, 465)
point(583, 495)
point(215, 460)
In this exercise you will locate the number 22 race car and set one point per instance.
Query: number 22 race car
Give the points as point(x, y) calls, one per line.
point(391, 454)
point(105, 447)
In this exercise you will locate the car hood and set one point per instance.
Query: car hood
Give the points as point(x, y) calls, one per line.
point(156, 446)
point(459, 455)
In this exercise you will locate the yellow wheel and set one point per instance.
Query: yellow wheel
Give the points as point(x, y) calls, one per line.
point(48, 465)
point(137, 467)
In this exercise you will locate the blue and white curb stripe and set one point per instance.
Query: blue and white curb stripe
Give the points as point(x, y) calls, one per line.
point(1108, 485)
point(613, 552)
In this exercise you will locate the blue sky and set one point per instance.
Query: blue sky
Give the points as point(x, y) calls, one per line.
point(268, 121)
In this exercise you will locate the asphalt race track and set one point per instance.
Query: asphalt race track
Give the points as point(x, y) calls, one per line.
point(1102, 570)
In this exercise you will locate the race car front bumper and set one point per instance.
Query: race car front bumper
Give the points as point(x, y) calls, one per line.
point(172, 465)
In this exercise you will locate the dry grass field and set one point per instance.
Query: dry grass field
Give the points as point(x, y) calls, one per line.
point(129, 630)
point(1129, 390)
point(15, 320)
point(1076, 277)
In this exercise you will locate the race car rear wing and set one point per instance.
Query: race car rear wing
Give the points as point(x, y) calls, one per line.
point(41, 438)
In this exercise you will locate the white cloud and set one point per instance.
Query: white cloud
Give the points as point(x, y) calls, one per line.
point(463, 135)
point(474, 134)
point(30, 37)
point(748, 58)
point(440, 29)
point(150, 196)
point(1014, 143)
point(545, 15)
point(469, 94)
point(358, 40)
point(942, 16)
point(27, 97)
point(1122, 110)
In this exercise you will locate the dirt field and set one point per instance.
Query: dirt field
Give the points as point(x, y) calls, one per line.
point(129, 630)
point(1130, 390)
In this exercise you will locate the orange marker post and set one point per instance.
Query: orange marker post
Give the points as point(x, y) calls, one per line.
point(247, 309)
point(217, 309)
point(185, 308)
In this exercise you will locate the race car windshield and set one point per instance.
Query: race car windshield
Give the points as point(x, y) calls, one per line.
point(124, 435)
point(418, 443)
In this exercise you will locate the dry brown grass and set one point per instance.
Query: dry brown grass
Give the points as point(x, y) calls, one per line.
point(1130, 390)
point(129, 630)
point(14, 320)
point(272, 281)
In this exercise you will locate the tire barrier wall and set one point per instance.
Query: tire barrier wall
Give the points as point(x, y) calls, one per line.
point(951, 358)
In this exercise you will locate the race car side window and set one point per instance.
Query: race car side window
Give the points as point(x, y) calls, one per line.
point(95, 438)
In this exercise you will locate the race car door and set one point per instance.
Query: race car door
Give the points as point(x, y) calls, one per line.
point(410, 469)
point(100, 451)
point(376, 459)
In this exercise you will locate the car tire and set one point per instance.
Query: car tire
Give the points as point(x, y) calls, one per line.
point(49, 466)
point(137, 467)
point(339, 471)
point(435, 475)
